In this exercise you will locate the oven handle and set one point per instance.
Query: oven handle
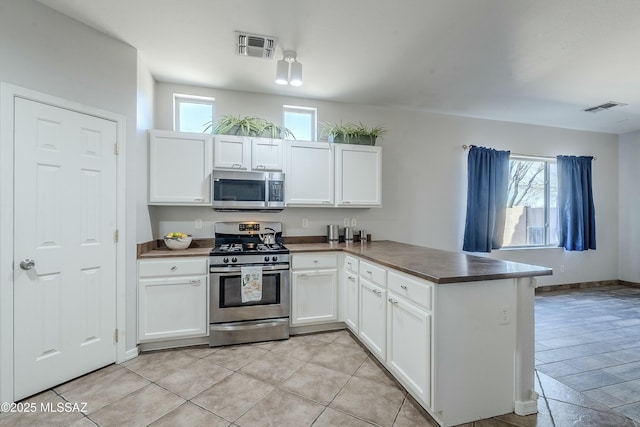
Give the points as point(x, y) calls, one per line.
point(235, 269)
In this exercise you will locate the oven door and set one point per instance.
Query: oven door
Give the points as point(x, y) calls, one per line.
point(226, 301)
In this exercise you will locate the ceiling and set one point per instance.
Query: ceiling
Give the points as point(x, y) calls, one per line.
point(528, 61)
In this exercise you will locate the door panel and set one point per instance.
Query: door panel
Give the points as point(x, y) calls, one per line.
point(65, 219)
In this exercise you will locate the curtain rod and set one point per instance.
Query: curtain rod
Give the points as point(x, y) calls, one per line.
point(466, 147)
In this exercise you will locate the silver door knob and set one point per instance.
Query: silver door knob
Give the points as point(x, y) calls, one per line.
point(27, 264)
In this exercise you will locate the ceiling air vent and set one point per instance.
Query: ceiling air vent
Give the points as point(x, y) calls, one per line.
point(605, 106)
point(255, 45)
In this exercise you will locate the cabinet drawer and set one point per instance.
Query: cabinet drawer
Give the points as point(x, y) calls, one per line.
point(168, 267)
point(373, 273)
point(314, 261)
point(351, 264)
point(413, 289)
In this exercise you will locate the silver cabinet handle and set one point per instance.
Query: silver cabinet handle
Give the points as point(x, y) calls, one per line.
point(353, 279)
point(198, 199)
point(369, 272)
point(377, 292)
point(346, 202)
point(404, 287)
point(302, 275)
point(195, 282)
point(260, 166)
point(27, 264)
point(326, 202)
point(174, 268)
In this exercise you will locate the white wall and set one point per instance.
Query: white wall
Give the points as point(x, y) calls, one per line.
point(43, 50)
point(424, 178)
point(629, 173)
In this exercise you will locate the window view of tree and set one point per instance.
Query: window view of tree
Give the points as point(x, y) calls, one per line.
point(531, 202)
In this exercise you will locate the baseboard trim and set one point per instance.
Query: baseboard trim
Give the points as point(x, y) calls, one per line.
point(131, 354)
point(527, 407)
point(585, 285)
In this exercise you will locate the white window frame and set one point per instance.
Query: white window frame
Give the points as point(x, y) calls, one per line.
point(547, 200)
point(192, 99)
point(312, 111)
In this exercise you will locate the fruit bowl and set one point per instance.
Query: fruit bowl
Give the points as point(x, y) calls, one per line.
point(177, 241)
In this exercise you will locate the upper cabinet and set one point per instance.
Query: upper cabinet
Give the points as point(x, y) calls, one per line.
point(244, 153)
point(358, 175)
point(267, 154)
point(180, 167)
point(309, 174)
point(232, 152)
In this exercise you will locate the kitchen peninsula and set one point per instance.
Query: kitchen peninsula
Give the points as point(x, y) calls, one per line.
point(456, 330)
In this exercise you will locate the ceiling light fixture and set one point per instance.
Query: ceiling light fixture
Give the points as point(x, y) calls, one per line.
point(289, 70)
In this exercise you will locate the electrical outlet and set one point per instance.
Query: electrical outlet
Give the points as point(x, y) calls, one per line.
point(354, 222)
point(345, 222)
point(198, 224)
point(561, 268)
point(305, 223)
point(505, 315)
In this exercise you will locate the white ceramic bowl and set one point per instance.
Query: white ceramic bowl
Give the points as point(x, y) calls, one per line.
point(179, 243)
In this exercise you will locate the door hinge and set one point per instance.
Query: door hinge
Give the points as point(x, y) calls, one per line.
point(116, 148)
point(116, 335)
point(116, 236)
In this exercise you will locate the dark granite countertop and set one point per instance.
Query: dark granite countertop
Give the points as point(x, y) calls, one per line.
point(431, 264)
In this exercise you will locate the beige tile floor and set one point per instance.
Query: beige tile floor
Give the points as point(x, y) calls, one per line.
point(324, 379)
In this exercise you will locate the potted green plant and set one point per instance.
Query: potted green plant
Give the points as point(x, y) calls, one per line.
point(248, 126)
point(351, 133)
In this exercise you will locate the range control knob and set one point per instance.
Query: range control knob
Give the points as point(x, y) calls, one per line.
point(225, 260)
point(234, 259)
point(266, 259)
point(274, 258)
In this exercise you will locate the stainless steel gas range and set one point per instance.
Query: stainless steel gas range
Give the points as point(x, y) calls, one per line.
point(249, 280)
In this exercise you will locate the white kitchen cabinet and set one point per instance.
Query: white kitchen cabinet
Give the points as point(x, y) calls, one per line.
point(358, 175)
point(267, 154)
point(309, 174)
point(172, 298)
point(232, 152)
point(350, 294)
point(314, 288)
point(373, 317)
point(179, 168)
point(409, 345)
point(244, 153)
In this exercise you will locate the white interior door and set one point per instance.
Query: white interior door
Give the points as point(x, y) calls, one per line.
point(65, 221)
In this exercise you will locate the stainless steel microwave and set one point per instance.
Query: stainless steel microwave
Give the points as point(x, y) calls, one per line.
point(256, 191)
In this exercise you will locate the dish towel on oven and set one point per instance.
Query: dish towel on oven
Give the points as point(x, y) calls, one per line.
point(251, 283)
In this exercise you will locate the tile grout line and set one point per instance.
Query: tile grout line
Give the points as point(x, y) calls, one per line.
point(544, 396)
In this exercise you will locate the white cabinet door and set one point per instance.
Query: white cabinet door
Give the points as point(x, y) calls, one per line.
point(309, 174)
point(373, 317)
point(351, 301)
point(409, 346)
point(179, 168)
point(314, 296)
point(172, 307)
point(232, 152)
point(266, 154)
point(358, 175)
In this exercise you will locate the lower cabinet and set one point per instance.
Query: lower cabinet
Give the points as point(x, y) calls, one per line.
point(314, 289)
point(350, 294)
point(373, 317)
point(351, 301)
point(172, 298)
point(409, 345)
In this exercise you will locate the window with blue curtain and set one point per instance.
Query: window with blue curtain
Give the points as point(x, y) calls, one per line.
point(487, 188)
point(576, 211)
